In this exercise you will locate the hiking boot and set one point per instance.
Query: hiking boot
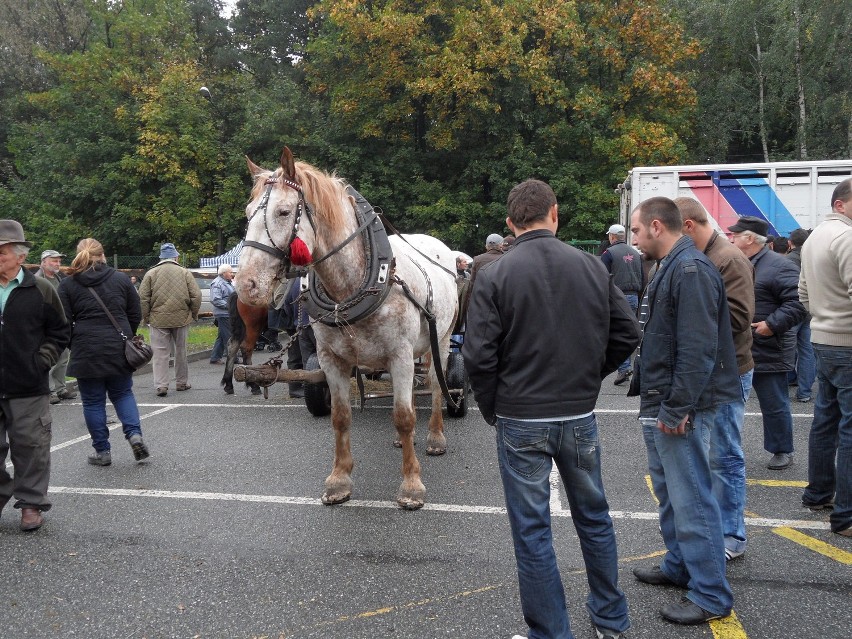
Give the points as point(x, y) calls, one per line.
point(622, 377)
point(140, 450)
point(100, 459)
point(184, 387)
point(54, 398)
point(67, 394)
point(162, 391)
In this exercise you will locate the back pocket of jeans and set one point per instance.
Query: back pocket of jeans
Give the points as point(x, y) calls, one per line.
point(526, 447)
point(586, 439)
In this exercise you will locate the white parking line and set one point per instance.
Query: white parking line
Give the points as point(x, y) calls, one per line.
point(358, 503)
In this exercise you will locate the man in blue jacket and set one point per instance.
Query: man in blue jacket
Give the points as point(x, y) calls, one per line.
point(33, 333)
point(687, 368)
point(545, 325)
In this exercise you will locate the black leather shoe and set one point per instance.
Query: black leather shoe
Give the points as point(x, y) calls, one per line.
point(654, 576)
point(622, 377)
point(687, 613)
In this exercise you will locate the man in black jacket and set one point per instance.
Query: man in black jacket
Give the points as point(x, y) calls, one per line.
point(545, 325)
point(33, 333)
point(777, 311)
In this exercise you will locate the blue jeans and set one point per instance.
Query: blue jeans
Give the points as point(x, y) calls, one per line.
point(774, 400)
point(526, 451)
point(830, 440)
point(633, 300)
point(727, 462)
point(805, 372)
point(221, 344)
point(93, 392)
point(689, 515)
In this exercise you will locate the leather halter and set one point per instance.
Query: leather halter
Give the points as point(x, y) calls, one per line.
point(282, 254)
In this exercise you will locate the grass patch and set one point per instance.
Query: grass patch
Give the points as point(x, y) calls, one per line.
point(201, 337)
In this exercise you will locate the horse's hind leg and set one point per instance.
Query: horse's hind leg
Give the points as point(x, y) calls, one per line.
point(412, 492)
point(338, 485)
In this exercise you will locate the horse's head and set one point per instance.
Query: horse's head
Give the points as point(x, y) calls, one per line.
point(271, 247)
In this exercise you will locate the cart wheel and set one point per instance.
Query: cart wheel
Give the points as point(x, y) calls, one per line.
point(457, 378)
point(317, 396)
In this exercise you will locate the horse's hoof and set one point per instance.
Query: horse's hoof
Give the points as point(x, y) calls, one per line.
point(398, 444)
point(436, 450)
point(255, 391)
point(331, 500)
point(229, 391)
point(407, 503)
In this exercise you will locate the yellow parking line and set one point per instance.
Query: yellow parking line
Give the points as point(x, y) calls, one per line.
point(832, 552)
point(728, 628)
point(651, 488)
point(776, 483)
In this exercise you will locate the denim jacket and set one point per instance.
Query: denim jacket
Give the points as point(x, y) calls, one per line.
point(687, 356)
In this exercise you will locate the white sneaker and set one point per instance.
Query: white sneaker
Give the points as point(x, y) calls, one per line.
point(518, 637)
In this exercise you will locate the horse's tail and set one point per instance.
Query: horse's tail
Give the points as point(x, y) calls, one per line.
point(238, 326)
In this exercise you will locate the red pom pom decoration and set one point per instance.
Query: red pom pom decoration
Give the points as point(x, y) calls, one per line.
point(300, 254)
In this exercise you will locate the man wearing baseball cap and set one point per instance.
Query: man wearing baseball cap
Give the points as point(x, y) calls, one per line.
point(50, 262)
point(624, 263)
point(35, 332)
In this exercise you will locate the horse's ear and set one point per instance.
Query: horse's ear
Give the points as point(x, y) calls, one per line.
point(288, 164)
point(253, 168)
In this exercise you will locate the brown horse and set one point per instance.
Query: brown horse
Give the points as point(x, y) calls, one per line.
point(247, 325)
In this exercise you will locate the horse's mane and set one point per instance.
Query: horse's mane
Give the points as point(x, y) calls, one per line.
point(323, 191)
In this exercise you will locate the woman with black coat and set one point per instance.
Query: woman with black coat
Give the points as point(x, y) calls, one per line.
point(97, 348)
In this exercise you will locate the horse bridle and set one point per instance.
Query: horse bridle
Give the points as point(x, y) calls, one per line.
point(282, 254)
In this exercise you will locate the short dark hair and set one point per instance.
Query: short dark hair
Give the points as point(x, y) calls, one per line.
point(529, 202)
point(842, 192)
point(798, 237)
point(662, 209)
point(780, 244)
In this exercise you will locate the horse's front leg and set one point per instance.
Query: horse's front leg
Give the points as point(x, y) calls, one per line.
point(412, 492)
point(338, 485)
point(436, 443)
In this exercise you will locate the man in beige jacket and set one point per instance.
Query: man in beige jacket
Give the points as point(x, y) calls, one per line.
point(170, 301)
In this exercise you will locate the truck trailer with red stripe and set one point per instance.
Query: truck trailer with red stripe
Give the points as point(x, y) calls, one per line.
point(788, 195)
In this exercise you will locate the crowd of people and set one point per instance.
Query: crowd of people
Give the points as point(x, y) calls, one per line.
point(717, 317)
point(712, 320)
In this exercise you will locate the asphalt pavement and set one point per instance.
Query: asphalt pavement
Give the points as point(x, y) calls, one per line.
point(222, 535)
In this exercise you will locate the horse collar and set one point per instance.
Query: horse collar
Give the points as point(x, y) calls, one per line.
point(374, 287)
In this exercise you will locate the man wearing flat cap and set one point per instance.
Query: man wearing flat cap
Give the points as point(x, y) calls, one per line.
point(776, 311)
point(34, 334)
point(493, 250)
point(50, 270)
point(170, 300)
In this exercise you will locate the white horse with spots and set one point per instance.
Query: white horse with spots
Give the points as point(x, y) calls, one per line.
point(301, 216)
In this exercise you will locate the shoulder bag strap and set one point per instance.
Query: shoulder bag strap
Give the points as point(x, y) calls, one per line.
point(106, 310)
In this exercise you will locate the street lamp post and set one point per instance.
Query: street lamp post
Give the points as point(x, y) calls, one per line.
point(220, 239)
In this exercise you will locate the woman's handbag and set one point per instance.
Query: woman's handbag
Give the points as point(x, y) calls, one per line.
point(136, 351)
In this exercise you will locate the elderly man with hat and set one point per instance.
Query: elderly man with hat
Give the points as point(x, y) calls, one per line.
point(170, 300)
point(50, 270)
point(777, 310)
point(34, 334)
point(493, 250)
point(624, 263)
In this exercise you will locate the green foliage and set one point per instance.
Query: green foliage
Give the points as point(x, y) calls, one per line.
point(432, 109)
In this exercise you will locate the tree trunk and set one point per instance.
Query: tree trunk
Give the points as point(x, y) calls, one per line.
point(761, 104)
point(803, 147)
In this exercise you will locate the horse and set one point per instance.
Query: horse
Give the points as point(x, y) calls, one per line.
point(301, 216)
point(247, 325)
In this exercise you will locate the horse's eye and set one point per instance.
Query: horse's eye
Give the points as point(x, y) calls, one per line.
point(284, 213)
